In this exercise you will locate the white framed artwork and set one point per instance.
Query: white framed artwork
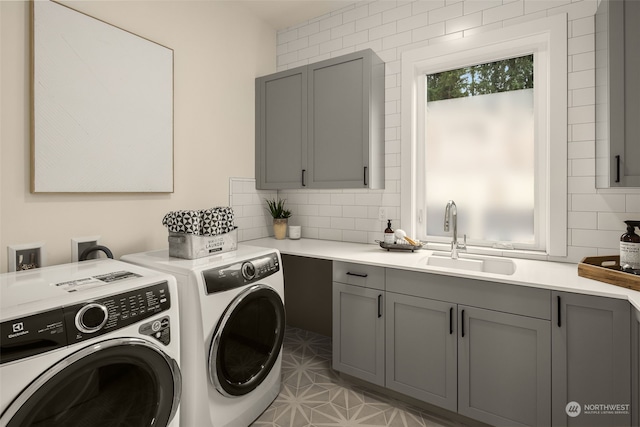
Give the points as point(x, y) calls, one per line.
point(102, 105)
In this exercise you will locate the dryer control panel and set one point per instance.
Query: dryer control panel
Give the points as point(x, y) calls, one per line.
point(89, 319)
point(62, 326)
point(241, 273)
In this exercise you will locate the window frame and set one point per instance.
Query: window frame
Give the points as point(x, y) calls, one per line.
point(547, 39)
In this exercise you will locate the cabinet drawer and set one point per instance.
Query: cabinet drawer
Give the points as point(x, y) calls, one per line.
point(367, 276)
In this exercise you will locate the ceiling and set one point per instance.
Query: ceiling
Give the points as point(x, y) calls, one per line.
point(281, 14)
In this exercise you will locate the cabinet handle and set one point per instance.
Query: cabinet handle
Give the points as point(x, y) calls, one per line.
point(357, 274)
point(559, 312)
point(451, 321)
point(618, 168)
point(462, 323)
point(303, 174)
point(379, 306)
point(365, 176)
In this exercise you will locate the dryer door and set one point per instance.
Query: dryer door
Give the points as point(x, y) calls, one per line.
point(247, 341)
point(118, 382)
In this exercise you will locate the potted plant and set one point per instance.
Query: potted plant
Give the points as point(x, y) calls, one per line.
point(280, 217)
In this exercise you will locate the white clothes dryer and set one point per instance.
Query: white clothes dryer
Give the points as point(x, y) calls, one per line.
point(93, 343)
point(233, 323)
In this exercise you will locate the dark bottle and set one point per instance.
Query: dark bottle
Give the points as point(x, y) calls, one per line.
point(630, 247)
point(389, 237)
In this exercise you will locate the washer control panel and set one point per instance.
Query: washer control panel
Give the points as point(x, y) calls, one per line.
point(93, 318)
point(241, 273)
point(61, 326)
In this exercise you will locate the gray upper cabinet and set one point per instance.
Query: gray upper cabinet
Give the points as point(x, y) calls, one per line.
point(617, 94)
point(322, 125)
point(504, 372)
point(591, 359)
point(281, 129)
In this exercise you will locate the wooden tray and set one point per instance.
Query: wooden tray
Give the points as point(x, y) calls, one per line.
point(607, 269)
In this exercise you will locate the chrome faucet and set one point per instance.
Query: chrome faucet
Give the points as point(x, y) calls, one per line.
point(451, 214)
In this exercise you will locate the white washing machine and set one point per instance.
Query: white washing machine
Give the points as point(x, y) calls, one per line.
point(233, 322)
point(93, 343)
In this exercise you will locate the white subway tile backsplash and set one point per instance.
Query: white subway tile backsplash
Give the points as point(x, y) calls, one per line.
point(462, 23)
point(633, 205)
point(330, 210)
point(319, 37)
point(500, 13)
point(428, 32)
point(382, 31)
point(412, 22)
point(444, 13)
point(370, 21)
point(583, 131)
point(330, 22)
point(393, 27)
point(343, 30)
point(598, 203)
point(329, 234)
point(581, 44)
point(309, 29)
point(583, 26)
point(584, 220)
point(613, 221)
point(583, 167)
point(586, 96)
point(581, 150)
point(425, 6)
point(472, 6)
point(356, 13)
point(596, 238)
point(397, 13)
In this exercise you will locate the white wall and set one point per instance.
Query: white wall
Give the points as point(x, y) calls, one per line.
point(390, 28)
point(219, 49)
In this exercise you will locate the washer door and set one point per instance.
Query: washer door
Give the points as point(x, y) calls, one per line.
point(126, 382)
point(247, 341)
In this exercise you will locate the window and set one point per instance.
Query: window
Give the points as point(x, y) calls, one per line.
point(487, 129)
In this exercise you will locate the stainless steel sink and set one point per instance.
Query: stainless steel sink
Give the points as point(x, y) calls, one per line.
point(472, 263)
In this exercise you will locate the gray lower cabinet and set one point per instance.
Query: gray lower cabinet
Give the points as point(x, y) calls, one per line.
point(504, 371)
point(591, 360)
point(358, 332)
point(421, 349)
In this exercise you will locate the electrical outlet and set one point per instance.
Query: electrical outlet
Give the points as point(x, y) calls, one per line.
point(26, 257)
point(79, 244)
point(382, 214)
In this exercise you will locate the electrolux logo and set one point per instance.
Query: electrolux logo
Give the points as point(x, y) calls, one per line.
point(18, 330)
point(573, 409)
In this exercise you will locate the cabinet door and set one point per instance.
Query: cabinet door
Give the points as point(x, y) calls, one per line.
point(421, 349)
point(358, 332)
point(591, 358)
point(504, 371)
point(281, 129)
point(338, 122)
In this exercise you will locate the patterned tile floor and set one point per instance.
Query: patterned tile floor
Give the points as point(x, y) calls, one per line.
point(313, 395)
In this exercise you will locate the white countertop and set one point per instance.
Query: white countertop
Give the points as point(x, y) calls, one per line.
point(540, 274)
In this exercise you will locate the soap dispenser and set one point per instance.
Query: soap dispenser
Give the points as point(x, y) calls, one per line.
point(389, 236)
point(630, 247)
